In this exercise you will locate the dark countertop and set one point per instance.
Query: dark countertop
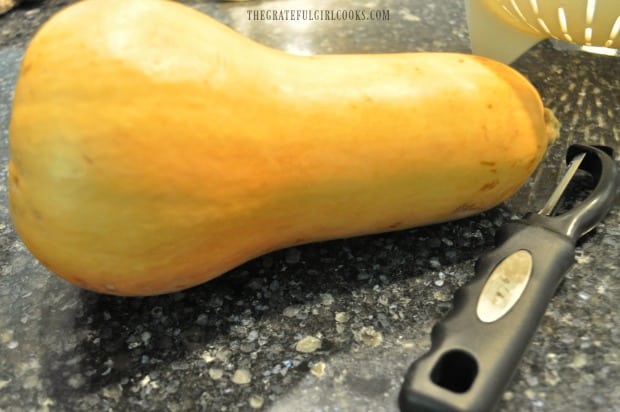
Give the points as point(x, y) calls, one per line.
point(370, 301)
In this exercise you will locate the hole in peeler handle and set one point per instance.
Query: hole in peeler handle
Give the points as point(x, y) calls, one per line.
point(456, 371)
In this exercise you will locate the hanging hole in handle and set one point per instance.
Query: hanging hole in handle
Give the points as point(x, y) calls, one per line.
point(455, 371)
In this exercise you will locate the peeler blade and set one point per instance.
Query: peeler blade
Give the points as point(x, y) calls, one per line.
point(581, 218)
point(550, 206)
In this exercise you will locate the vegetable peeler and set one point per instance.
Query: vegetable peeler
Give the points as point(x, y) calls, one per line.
point(475, 350)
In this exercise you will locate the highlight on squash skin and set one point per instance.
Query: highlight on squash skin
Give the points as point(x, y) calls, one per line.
point(175, 166)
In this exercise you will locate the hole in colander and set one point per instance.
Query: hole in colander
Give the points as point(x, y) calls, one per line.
point(614, 32)
point(590, 7)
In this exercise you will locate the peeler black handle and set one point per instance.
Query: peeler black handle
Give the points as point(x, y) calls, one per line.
point(476, 348)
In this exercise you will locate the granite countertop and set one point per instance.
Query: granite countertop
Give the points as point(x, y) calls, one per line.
point(329, 326)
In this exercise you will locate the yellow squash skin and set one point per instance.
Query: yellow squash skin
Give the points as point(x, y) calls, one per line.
point(153, 148)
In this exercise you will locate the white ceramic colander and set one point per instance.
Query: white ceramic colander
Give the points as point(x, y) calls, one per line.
point(504, 29)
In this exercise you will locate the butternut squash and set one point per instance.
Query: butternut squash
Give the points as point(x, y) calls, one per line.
point(153, 148)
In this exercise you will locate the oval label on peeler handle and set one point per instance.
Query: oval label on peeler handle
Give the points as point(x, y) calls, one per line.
point(504, 286)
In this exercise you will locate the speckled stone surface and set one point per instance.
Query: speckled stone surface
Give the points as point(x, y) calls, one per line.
point(322, 327)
